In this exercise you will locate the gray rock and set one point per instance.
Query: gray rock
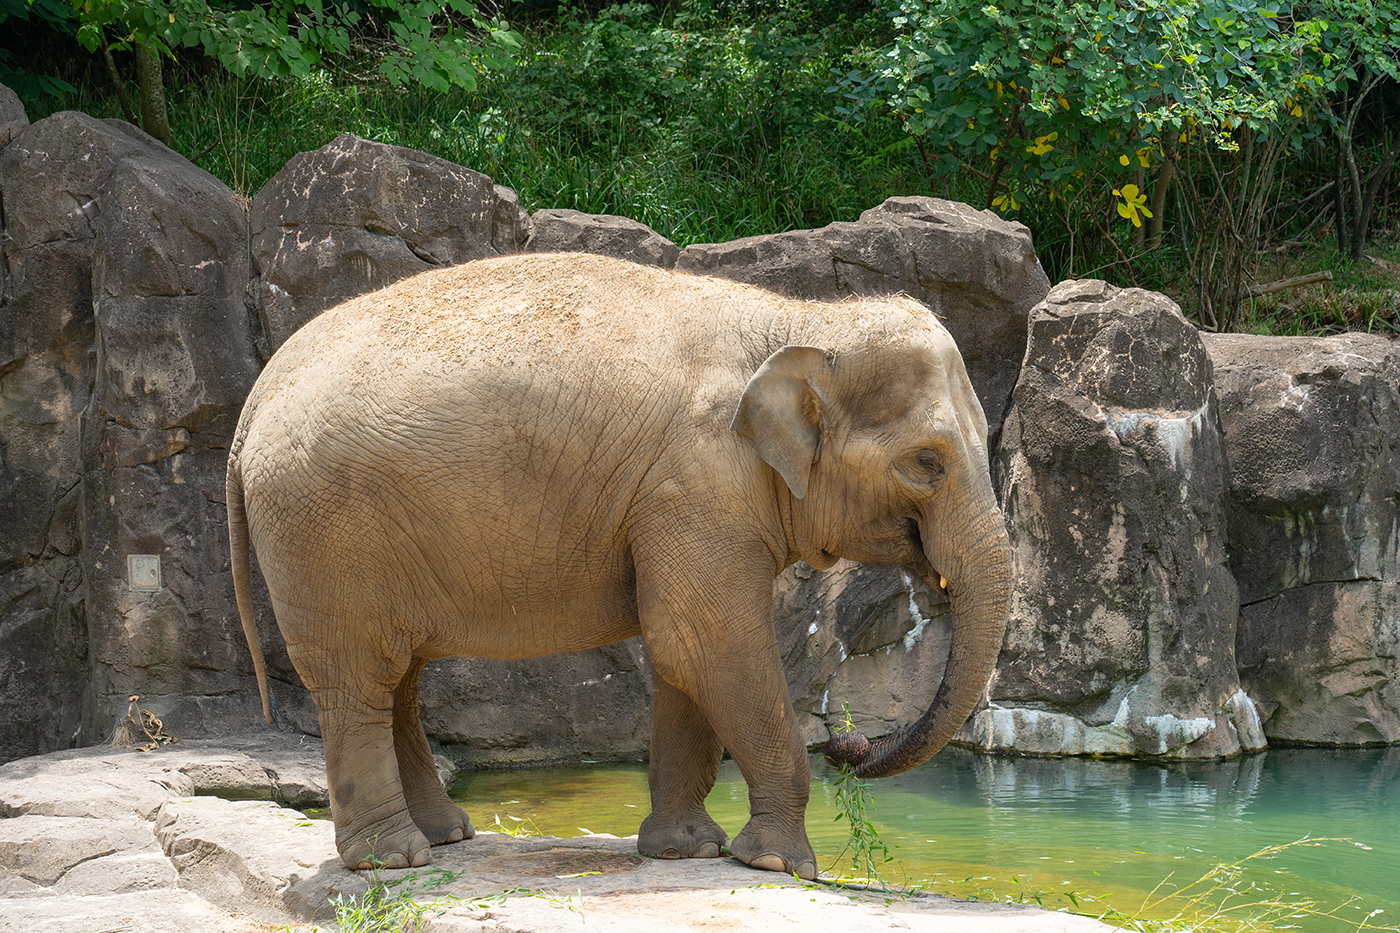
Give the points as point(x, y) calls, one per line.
point(976, 271)
point(175, 360)
point(871, 637)
point(511, 226)
point(13, 119)
point(51, 177)
point(1122, 631)
point(354, 216)
point(581, 705)
point(559, 230)
point(81, 855)
point(255, 857)
point(1312, 430)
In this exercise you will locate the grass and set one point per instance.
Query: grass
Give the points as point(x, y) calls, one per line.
point(1362, 296)
point(392, 906)
point(1229, 898)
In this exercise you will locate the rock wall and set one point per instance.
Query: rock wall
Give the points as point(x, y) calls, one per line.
point(1314, 485)
point(141, 298)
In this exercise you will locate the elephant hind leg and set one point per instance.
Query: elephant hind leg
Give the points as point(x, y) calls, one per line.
point(684, 763)
point(433, 811)
point(373, 827)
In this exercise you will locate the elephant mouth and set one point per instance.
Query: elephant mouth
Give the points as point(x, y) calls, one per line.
point(920, 562)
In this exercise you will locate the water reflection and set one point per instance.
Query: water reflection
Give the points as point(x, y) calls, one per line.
point(1114, 827)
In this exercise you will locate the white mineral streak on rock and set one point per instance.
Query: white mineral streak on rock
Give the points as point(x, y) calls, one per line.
point(1295, 396)
point(1174, 432)
point(812, 629)
point(1173, 732)
point(1041, 732)
point(912, 637)
point(1245, 715)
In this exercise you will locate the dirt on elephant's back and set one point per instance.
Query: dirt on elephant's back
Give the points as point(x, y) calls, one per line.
point(501, 308)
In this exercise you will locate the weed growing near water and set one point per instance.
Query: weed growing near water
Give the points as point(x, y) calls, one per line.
point(389, 906)
point(1226, 899)
point(853, 802)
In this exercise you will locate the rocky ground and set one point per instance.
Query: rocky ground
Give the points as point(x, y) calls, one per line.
point(195, 837)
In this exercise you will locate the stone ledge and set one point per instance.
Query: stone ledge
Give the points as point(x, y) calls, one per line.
point(171, 860)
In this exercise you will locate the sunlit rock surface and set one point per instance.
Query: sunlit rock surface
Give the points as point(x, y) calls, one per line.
point(1122, 630)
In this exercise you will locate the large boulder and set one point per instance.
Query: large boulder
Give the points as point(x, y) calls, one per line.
point(175, 361)
point(559, 230)
point(355, 215)
point(1122, 631)
point(977, 272)
point(51, 176)
point(870, 639)
point(1312, 429)
point(581, 705)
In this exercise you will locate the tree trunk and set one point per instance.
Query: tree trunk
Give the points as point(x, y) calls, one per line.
point(154, 119)
point(1159, 191)
point(117, 82)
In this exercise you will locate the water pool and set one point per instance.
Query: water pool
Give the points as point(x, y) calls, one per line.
point(1003, 827)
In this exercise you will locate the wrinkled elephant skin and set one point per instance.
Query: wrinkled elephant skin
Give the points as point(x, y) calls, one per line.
point(533, 454)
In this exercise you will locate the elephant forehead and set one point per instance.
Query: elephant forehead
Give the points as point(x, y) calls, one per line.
point(894, 385)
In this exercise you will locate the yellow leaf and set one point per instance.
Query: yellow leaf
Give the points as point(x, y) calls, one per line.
point(1130, 193)
point(1122, 160)
point(172, 17)
point(1296, 111)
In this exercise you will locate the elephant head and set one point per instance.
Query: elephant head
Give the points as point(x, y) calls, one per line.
point(884, 455)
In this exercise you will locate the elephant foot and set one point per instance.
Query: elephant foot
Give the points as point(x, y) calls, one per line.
point(770, 852)
point(696, 836)
point(443, 823)
point(386, 844)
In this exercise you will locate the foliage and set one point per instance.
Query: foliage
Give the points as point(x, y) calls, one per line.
point(28, 86)
point(1092, 104)
point(423, 42)
point(854, 803)
point(390, 905)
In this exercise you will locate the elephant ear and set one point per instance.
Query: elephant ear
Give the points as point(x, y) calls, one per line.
point(781, 413)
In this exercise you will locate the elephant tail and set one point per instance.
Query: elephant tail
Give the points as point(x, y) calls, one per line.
point(242, 579)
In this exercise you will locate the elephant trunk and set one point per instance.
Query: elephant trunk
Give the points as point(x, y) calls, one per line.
point(980, 588)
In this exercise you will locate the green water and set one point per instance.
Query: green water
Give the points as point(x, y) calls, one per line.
point(1001, 827)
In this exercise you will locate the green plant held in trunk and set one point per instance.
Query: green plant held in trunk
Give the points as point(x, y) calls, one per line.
point(856, 803)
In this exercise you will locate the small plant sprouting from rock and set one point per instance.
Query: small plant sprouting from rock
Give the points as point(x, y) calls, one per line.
point(853, 802)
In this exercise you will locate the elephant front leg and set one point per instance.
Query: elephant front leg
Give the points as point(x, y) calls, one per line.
point(684, 763)
point(373, 827)
point(432, 809)
point(708, 625)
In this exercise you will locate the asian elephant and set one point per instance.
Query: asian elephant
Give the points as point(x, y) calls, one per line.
point(541, 453)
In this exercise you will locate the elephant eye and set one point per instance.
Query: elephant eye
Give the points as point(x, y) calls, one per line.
point(930, 463)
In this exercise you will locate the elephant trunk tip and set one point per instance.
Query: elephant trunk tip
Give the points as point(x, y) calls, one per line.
point(847, 748)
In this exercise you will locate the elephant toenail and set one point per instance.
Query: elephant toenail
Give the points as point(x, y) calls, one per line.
point(769, 863)
point(420, 858)
point(455, 835)
point(807, 871)
point(708, 850)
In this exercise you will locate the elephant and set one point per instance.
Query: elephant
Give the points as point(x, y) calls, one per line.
point(539, 453)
